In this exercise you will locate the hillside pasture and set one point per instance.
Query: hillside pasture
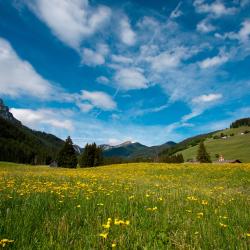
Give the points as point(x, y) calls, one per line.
point(129, 206)
point(233, 147)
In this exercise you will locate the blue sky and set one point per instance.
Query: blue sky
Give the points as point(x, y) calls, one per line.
point(111, 71)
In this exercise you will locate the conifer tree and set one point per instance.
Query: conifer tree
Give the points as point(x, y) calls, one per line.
point(202, 154)
point(91, 156)
point(67, 155)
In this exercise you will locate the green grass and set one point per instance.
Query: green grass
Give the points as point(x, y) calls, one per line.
point(235, 147)
point(162, 206)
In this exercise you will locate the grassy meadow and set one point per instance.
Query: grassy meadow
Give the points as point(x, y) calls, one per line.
point(234, 147)
point(129, 206)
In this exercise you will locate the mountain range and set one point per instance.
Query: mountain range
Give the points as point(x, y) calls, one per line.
point(21, 144)
point(130, 149)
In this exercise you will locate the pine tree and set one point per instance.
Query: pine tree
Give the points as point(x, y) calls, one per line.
point(91, 156)
point(83, 159)
point(99, 157)
point(202, 155)
point(67, 155)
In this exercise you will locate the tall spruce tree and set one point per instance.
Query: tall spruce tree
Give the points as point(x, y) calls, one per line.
point(91, 156)
point(202, 154)
point(67, 155)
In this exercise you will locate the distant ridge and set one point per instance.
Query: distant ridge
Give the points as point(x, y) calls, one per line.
point(130, 149)
point(21, 144)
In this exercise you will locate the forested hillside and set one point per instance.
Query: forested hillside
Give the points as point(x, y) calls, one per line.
point(23, 145)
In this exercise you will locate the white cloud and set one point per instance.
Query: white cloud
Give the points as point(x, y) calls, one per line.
point(201, 103)
point(71, 21)
point(170, 58)
point(121, 59)
point(244, 32)
point(176, 12)
point(18, 77)
point(34, 118)
point(97, 99)
point(214, 61)
point(206, 98)
point(92, 58)
point(217, 8)
point(130, 78)
point(102, 80)
point(166, 60)
point(205, 27)
point(127, 35)
point(85, 107)
point(194, 113)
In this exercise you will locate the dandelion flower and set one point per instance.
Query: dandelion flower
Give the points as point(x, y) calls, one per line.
point(113, 245)
point(103, 235)
point(127, 222)
point(3, 242)
point(204, 202)
point(223, 225)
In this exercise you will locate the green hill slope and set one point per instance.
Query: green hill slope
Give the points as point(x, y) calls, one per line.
point(23, 145)
point(233, 147)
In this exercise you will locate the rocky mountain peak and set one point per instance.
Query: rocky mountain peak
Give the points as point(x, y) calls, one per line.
point(6, 114)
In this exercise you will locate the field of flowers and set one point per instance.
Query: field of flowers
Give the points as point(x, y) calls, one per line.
point(129, 206)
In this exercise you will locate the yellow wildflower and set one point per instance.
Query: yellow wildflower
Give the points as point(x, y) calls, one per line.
point(191, 198)
point(248, 234)
point(223, 225)
point(152, 209)
point(121, 222)
point(103, 235)
point(3, 242)
point(107, 226)
point(200, 215)
point(127, 222)
point(113, 245)
point(204, 202)
point(78, 206)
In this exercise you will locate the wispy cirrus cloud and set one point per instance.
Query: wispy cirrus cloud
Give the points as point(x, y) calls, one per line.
point(177, 11)
point(205, 26)
point(207, 98)
point(214, 61)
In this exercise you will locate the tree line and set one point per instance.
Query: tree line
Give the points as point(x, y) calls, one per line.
point(92, 156)
point(240, 123)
